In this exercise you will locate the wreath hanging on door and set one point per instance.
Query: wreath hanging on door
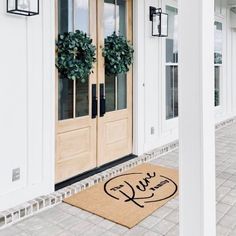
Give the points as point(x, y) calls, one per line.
point(75, 55)
point(118, 54)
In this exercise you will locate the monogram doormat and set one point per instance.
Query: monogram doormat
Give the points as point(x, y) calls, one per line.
point(129, 197)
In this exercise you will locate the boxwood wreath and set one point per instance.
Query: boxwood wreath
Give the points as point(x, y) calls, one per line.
point(118, 54)
point(75, 55)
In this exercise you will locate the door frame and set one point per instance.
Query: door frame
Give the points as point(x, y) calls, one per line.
point(96, 69)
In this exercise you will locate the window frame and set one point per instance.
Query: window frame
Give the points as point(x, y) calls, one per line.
point(219, 110)
point(167, 124)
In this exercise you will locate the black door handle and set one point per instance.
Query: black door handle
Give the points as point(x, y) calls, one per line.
point(102, 100)
point(94, 101)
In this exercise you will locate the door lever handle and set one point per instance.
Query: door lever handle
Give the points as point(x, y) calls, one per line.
point(102, 101)
point(94, 101)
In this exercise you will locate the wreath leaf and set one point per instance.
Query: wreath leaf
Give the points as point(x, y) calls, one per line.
point(75, 55)
point(118, 54)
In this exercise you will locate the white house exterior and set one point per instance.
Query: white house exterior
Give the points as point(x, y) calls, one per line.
point(29, 93)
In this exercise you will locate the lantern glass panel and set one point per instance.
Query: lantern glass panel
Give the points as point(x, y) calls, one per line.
point(164, 24)
point(155, 25)
point(24, 5)
point(11, 4)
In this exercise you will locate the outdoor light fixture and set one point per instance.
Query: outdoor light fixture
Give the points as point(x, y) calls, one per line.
point(23, 7)
point(159, 22)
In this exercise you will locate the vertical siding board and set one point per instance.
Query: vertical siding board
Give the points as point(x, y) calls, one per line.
point(27, 104)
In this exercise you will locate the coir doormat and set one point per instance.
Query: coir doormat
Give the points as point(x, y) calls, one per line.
point(129, 197)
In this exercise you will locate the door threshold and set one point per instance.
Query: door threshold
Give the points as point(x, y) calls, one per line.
point(94, 171)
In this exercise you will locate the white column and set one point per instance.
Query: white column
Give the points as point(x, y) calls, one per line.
point(196, 118)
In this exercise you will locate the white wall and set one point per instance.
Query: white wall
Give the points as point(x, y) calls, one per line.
point(26, 104)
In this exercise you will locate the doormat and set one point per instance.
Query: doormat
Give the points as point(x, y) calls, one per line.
point(130, 197)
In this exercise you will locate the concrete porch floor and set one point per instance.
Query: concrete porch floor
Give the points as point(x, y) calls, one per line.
point(65, 220)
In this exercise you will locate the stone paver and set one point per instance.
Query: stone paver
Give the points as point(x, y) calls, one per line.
point(65, 220)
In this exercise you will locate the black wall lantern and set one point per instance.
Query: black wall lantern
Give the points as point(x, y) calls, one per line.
point(23, 7)
point(159, 22)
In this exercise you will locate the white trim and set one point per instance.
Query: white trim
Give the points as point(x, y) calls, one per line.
point(49, 120)
point(138, 76)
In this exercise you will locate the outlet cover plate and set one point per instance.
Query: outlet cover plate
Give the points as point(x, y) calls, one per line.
point(15, 174)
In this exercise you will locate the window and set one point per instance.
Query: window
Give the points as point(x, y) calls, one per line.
point(218, 49)
point(171, 64)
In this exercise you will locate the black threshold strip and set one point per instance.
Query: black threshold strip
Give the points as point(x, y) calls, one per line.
point(93, 172)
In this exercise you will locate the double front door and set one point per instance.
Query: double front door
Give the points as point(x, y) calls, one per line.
point(94, 118)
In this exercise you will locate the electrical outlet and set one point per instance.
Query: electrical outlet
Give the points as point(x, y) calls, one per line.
point(15, 174)
point(152, 130)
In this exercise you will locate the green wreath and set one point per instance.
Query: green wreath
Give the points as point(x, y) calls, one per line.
point(75, 55)
point(118, 54)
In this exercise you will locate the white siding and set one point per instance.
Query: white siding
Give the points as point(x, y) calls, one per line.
point(26, 104)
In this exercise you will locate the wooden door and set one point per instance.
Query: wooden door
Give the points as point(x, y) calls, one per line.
point(115, 127)
point(83, 142)
point(76, 130)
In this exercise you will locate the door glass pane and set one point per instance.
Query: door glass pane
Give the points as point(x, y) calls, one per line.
point(115, 87)
point(65, 99)
point(172, 39)
point(82, 98)
point(109, 28)
point(81, 12)
point(217, 85)
point(65, 86)
point(171, 92)
point(218, 42)
point(110, 87)
point(65, 16)
point(73, 15)
point(121, 91)
point(109, 17)
point(121, 17)
point(121, 78)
